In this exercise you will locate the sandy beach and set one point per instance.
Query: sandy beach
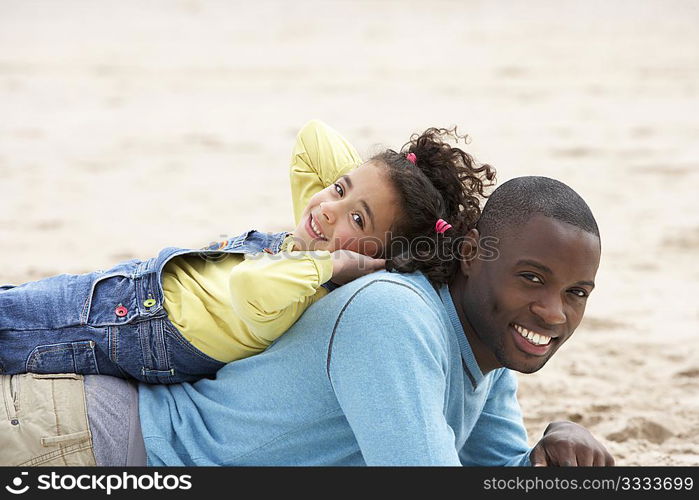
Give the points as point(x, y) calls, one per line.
point(126, 127)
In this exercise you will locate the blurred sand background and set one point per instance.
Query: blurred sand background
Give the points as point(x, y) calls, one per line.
point(129, 126)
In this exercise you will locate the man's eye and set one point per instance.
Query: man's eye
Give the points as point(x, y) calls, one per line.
point(532, 277)
point(358, 219)
point(339, 189)
point(579, 292)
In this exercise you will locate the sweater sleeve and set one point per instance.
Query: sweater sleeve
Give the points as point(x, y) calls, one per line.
point(270, 292)
point(321, 155)
point(390, 380)
point(499, 437)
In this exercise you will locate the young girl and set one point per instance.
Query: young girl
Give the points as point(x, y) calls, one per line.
point(182, 315)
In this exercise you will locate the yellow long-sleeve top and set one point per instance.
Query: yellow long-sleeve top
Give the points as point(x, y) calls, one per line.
point(235, 307)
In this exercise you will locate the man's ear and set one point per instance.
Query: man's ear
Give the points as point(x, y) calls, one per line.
point(468, 251)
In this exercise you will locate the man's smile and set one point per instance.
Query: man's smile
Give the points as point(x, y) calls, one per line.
point(531, 341)
point(533, 336)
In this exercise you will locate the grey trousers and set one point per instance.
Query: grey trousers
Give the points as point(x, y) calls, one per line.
point(112, 410)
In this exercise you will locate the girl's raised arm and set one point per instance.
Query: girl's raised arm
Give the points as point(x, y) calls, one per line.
point(320, 156)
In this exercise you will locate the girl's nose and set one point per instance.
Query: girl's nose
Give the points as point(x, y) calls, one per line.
point(327, 211)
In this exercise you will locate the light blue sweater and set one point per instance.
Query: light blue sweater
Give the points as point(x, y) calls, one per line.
point(379, 372)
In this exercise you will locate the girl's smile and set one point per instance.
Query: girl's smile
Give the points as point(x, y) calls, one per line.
point(313, 228)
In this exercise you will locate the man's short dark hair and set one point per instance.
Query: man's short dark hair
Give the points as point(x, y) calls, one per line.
point(517, 200)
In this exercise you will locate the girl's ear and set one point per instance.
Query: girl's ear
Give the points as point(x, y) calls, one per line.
point(468, 250)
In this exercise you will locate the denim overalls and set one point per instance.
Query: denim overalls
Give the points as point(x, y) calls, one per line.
point(109, 322)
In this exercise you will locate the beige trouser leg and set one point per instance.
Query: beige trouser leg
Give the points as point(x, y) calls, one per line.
point(43, 421)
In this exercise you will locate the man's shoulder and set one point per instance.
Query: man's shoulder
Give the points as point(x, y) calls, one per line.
point(386, 318)
point(383, 298)
point(391, 289)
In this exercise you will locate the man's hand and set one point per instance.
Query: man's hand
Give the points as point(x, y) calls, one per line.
point(349, 265)
point(568, 444)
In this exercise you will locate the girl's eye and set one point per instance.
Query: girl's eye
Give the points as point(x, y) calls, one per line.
point(579, 292)
point(358, 220)
point(531, 277)
point(339, 189)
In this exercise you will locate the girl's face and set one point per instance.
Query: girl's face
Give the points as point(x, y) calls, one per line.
point(355, 213)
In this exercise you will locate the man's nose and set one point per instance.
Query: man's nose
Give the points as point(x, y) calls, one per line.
point(328, 212)
point(550, 309)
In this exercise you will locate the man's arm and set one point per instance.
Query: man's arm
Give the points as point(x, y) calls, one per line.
point(387, 368)
point(320, 156)
point(568, 444)
point(499, 437)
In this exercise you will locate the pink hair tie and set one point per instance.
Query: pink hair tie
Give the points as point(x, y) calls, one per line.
point(411, 158)
point(441, 226)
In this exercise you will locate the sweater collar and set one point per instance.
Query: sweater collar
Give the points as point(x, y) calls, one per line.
point(471, 367)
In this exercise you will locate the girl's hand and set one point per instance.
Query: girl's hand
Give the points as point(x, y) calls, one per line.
point(349, 265)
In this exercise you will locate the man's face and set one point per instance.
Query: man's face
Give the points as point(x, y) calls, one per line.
point(521, 307)
point(356, 213)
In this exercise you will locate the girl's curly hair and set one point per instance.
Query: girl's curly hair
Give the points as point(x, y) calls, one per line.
point(444, 182)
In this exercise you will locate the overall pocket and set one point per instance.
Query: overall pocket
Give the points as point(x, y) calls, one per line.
point(123, 295)
point(112, 301)
point(65, 357)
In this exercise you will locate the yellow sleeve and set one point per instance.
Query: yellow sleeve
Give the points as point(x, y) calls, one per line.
point(320, 156)
point(270, 292)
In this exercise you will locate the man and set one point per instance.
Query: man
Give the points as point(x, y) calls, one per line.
point(386, 370)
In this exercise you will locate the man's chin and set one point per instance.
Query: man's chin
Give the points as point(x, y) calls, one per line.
point(525, 366)
point(528, 369)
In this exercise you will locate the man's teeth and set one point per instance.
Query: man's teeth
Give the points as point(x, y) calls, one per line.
point(534, 338)
point(316, 228)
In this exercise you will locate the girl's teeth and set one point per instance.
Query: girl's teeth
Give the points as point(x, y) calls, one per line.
point(316, 229)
